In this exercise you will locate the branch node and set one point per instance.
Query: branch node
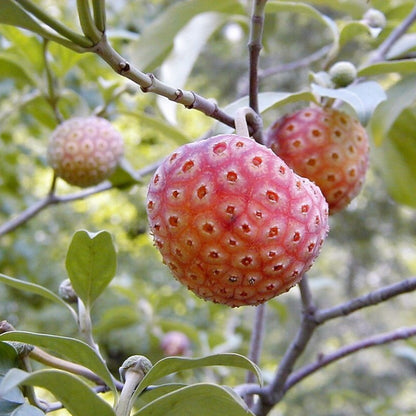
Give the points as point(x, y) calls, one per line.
point(148, 87)
point(123, 67)
point(178, 95)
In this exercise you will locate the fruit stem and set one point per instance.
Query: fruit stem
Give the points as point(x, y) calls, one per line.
point(246, 115)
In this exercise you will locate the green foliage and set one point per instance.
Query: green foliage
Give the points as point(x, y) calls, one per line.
point(91, 264)
point(46, 74)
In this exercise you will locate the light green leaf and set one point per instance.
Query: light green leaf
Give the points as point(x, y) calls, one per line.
point(72, 349)
point(155, 392)
point(76, 396)
point(34, 288)
point(363, 98)
point(396, 158)
point(400, 96)
point(402, 67)
point(307, 10)
point(13, 398)
point(27, 410)
point(352, 30)
point(124, 176)
point(267, 101)
point(12, 67)
point(403, 45)
point(13, 14)
point(208, 399)
point(166, 129)
point(91, 264)
point(157, 38)
point(187, 46)
point(172, 365)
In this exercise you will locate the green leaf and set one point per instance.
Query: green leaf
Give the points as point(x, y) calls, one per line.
point(172, 365)
point(351, 30)
point(37, 289)
point(396, 158)
point(187, 46)
point(208, 399)
point(76, 396)
point(166, 129)
point(91, 264)
point(400, 96)
point(155, 392)
point(12, 67)
point(402, 46)
point(124, 175)
point(381, 68)
point(157, 38)
point(13, 14)
point(27, 410)
point(13, 398)
point(363, 98)
point(267, 101)
point(72, 349)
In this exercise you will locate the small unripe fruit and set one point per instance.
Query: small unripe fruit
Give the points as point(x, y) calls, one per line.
point(328, 147)
point(175, 343)
point(85, 151)
point(343, 73)
point(375, 18)
point(233, 222)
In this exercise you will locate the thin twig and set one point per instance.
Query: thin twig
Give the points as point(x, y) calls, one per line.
point(372, 298)
point(254, 46)
point(275, 390)
point(380, 339)
point(395, 35)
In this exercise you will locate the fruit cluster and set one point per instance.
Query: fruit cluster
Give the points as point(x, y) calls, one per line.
point(233, 222)
point(84, 151)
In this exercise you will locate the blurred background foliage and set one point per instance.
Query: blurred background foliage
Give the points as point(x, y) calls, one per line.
point(371, 244)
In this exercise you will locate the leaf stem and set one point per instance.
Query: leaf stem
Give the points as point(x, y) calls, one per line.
point(99, 14)
point(87, 22)
point(54, 24)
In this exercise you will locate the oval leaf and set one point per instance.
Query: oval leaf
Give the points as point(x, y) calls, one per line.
point(91, 264)
point(156, 40)
point(76, 396)
point(208, 399)
point(38, 290)
point(72, 349)
point(171, 365)
point(402, 67)
point(363, 98)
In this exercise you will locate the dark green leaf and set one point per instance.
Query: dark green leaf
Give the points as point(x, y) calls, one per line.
point(91, 263)
point(75, 395)
point(208, 399)
point(37, 289)
point(72, 349)
point(12, 14)
point(124, 175)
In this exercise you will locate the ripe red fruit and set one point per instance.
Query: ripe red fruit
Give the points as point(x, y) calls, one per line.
point(326, 146)
point(233, 222)
point(84, 151)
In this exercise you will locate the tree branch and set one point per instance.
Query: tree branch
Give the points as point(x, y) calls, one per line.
point(372, 298)
point(380, 339)
point(394, 36)
point(274, 392)
point(254, 46)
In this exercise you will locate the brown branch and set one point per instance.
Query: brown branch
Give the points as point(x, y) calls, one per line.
point(372, 298)
point(149, 83)
point(274, 392)
point(255, 46)
point(380, 339)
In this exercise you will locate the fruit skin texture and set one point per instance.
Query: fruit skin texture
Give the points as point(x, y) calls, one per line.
point(233, 222)
point(326, 146)
point(84, 151)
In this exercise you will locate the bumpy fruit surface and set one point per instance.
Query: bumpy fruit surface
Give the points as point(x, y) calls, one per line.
point(85, 151)
point(326, 146)
point(233, 222)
